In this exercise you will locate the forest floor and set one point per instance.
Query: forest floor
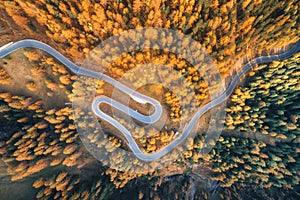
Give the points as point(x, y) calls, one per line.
point(19, 69)
point(21, 189)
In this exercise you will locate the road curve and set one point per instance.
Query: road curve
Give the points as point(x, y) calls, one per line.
point(143, 99)
point(9, 48)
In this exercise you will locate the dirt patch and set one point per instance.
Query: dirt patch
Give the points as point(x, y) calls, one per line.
point(19, 69)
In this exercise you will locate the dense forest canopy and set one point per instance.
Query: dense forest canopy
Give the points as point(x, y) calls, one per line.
point(258, 151)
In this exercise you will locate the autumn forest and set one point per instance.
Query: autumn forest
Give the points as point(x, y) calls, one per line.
point(43, 155)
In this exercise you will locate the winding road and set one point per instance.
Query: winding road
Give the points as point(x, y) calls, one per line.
point(155, 116)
